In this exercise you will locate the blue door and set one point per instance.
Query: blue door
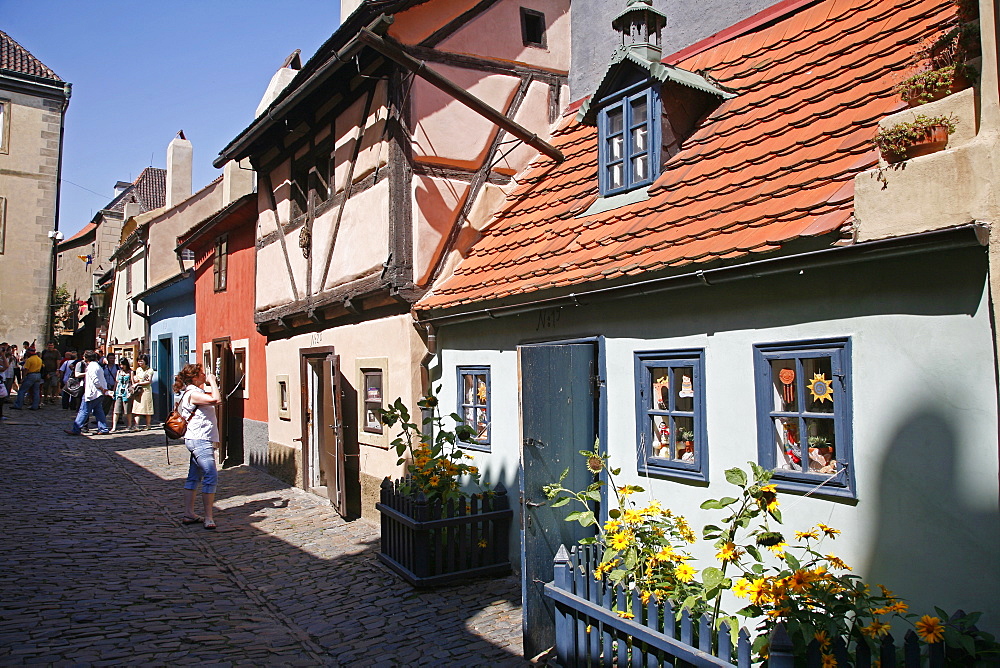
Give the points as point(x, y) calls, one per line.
point(164, 379)
point(559, 418)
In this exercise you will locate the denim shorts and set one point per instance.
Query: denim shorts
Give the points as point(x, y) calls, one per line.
point(202, 467)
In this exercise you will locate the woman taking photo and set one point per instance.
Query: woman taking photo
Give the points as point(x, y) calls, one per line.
point(199, 396)
point(142, 399)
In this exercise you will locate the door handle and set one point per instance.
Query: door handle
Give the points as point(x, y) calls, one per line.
point(532, 504)
point(297, 439)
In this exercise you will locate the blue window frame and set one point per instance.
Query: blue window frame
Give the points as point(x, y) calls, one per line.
point(474, 404)
point(670, 414)
point(629, 139)
point(804, 415)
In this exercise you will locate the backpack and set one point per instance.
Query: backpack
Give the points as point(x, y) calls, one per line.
point(74, 386)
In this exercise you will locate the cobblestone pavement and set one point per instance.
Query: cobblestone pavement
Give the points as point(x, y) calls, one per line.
point(96, 569)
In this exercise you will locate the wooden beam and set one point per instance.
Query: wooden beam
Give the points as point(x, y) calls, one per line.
point(420, 69)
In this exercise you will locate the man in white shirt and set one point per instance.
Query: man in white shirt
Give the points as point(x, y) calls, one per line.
point(94, 388)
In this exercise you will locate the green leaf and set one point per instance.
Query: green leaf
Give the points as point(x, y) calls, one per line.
point(616, 471)
point(711, 504)
point(776, 514)
point(587, 519)
point(727, 500)
point(560, 502)
point(736, 477)
point(592, 494)
point(753, 552)
point(757, 568)
point(712, 577)
point(792, 562)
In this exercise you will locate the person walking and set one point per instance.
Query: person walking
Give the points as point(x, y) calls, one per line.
point(51, 358)
point(122, 395)
point(95, 387)
point(32, 381)
point(110, 377)
point(7, 363)
point(199, 396)
point(65, 373)
point(142, 400)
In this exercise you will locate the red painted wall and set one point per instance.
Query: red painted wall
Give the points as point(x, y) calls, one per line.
point(230, 312)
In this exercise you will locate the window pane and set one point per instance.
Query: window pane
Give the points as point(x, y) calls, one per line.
point(783, 377)
point(640, 164)
point(615, 121)
point(660, 436)
point(661, 388)
point(468, 391)
point(482, 424)
point(786, 438)
point(615, 146)
point(615, 176)
point(684, 384)
point(684, 438)
point(639, 139)
point(818, 376)
point(639, 111)
point(822, 448)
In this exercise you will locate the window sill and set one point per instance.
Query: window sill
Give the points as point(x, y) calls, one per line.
point(610, 202)
point(657, 470)
point(800, 485)
point(475, 447)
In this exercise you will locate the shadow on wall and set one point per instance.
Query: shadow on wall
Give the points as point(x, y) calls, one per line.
point(931, 546)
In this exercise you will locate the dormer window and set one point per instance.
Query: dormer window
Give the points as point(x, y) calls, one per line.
point(629, 156)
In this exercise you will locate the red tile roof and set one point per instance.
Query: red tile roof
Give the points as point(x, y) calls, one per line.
point(771, 165)
point(16, 58)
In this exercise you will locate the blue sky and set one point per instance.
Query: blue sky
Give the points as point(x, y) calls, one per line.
point(142, 70)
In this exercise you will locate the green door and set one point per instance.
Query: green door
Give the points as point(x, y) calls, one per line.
point(559, 418)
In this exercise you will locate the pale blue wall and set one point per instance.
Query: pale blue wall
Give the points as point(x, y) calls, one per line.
point(926, 521)
point(171, 317)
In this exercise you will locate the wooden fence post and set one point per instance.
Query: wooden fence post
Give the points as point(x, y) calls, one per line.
point(563, 578)
point(780, 654)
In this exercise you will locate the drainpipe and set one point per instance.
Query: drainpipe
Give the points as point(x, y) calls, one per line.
point(50, 326)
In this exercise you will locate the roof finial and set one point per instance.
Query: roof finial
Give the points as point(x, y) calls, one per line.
point(180, 134)
point(640, 26)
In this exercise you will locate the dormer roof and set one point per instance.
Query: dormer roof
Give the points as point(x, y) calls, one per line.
point(772, 166)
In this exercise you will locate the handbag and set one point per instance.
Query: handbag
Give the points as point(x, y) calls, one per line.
point(74, 386)
point(176, 424)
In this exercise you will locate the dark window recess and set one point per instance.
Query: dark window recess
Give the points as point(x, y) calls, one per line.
point(221, 262)
point(373, 400)
point(312, 173)
point(532, 27)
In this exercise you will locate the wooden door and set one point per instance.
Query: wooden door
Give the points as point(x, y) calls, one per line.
point(332, 451)
point(558, 419)
point(222, 367)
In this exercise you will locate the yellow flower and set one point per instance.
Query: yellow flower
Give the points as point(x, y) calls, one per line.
point(473, 470)
point(885, 592)
point(768, 498)
point(653, 508)
point(778, 550)
point(625, 615)
point(625, 490)
point(828, 531)
point(829, 661)
point(632, 516)
point(482, 542)
point(875, 629)
point(811, 534)
point(434, 480)
point(759, 591)
point(930, 629)
point(799, 580)
point(619, 541)
point(728, 553)
point(684, 573)
point(612, 526)
point(645, 597)
point(665, 554)
point(823, 639)
point(837, 562)
point(898, 606)
point(742, 588)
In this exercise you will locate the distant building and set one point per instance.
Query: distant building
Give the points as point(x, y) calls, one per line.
point(33, 102)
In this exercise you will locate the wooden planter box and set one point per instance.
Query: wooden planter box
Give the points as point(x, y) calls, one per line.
point(435, 544)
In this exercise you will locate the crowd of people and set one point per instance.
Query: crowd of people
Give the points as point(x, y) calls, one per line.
point(95, 383)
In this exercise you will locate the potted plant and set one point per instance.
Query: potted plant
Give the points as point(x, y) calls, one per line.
point(932, 85)
point(922, 135)
point(433, 532)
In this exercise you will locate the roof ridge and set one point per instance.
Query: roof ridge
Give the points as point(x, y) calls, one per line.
point(16, 58)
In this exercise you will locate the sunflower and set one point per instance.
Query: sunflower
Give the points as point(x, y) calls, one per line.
point(823, 639)
point(612, 526)
point(665, 554)
point(728, 553)
point(685, 573)
point(875, 629)
point(620, 541)
point(595, 464)
point(837, 562)
point(759, 591)
point(625, 615)
point(829, 661)
point(829, 531)
point(799, 580)
point(930, 629)
point(742, 588)
point(807, 535)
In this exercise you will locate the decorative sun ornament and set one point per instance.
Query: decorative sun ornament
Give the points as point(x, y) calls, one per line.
point(820, 388)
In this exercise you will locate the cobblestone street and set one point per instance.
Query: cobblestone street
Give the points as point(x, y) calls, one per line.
point(98, 569)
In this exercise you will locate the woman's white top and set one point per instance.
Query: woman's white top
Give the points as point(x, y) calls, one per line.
point(202, 422)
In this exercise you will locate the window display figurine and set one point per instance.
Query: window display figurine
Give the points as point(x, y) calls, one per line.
point(821, 460)
point(688, 454)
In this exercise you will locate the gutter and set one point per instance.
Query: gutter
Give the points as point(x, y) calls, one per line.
point(962, 236)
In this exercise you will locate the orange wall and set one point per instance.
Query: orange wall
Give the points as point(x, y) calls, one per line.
point(230, 313)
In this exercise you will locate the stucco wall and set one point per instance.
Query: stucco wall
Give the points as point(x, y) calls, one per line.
point(688, 21)
point(924, 407)
point(171, 320)
point(164, 230)
point(392, 338)
point(28, 190)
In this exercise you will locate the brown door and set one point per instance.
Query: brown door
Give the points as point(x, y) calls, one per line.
point(222, 367)
point(332, 431)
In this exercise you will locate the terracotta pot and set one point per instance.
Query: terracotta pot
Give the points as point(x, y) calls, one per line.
point(960, 82)
point(935, 139)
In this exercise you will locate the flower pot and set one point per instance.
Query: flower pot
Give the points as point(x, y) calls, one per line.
point(959, 82)
point(935, 138)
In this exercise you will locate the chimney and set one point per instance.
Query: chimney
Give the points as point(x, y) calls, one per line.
point(281, 78)
point(121, 187)
point(237, 180)
point(179, 153)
